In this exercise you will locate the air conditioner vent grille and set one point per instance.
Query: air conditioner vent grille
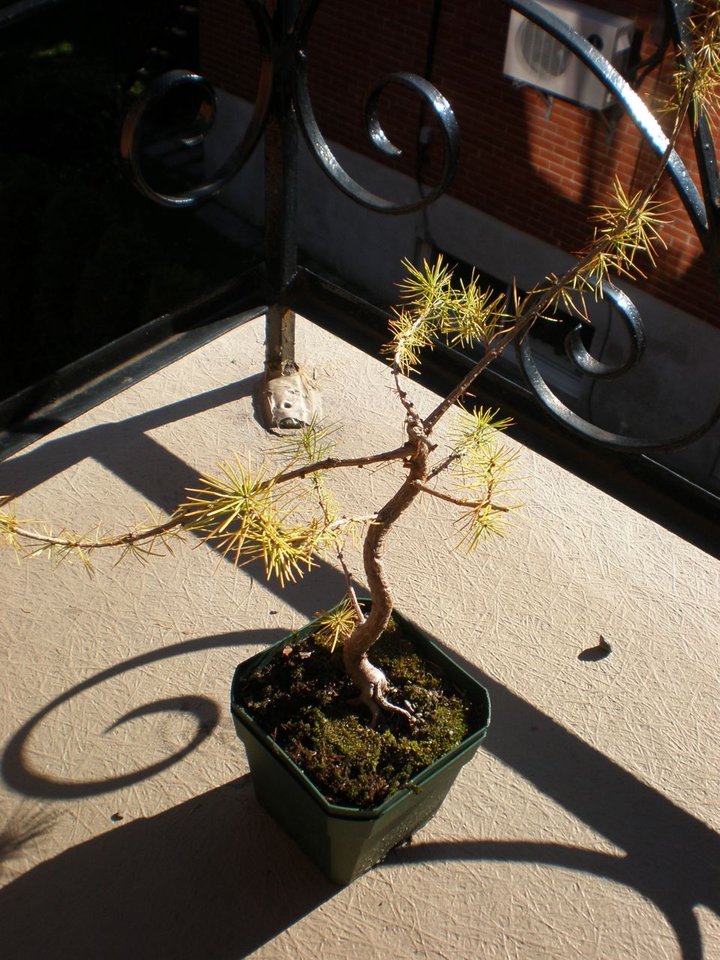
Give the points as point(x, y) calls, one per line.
point(543, 54)
point(535, 57)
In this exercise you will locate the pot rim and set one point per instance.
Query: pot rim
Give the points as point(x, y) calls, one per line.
point(466, 747)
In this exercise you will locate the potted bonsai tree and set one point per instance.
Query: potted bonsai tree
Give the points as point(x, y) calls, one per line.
point(352, 686)
point(349, 750)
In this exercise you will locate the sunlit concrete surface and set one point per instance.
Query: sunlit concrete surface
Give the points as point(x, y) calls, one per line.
point(585, 827)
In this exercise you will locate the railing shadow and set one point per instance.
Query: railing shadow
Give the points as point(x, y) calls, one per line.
point(670, 857)
point(202, 879)
point(202, 862)
point(189, 883)
point(127, 451)
point(664, 895)
point(17, 770)
point(114, 445)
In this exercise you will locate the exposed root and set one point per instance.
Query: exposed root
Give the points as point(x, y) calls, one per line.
point(372, 695)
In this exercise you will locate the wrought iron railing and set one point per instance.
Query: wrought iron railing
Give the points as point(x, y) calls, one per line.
point(283, 111)
point(283, 108)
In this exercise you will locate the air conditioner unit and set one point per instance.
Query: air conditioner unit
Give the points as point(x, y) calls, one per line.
point(534, 57)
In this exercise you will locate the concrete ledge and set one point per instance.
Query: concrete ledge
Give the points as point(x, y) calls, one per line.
point(586, 826)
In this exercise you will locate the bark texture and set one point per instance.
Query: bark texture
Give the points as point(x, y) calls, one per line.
point(371, 682)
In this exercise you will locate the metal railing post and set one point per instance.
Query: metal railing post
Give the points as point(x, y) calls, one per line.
point(281, 157)
point(288, 397)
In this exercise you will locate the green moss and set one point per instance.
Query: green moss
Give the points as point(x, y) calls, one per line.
point(302, 699)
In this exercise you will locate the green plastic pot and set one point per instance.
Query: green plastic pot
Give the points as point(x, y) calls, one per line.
point(343, 841)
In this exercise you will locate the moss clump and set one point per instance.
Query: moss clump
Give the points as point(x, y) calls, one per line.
point(301, 699)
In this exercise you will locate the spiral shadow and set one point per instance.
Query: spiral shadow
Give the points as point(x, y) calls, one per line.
point(19, 774)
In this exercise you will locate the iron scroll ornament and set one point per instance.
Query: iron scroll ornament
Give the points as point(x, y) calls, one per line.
point(319, 148)
point(283, 60)
point(333, 169)
point(702, 211)
point(157, 94)
point(589, 365)
point(284, 66)
point(279, 49)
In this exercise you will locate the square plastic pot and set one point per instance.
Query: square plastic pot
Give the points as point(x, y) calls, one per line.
point(343, 841)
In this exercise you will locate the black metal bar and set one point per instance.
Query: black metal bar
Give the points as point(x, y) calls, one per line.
point(678, 13)
point(149, 103)
point(322, 153)
point(281, 162)
point(636, 109)
point(83, 384)
point(283, 107)
point(702, 210)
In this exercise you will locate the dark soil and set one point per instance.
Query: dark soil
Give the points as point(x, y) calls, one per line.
point(302, 700)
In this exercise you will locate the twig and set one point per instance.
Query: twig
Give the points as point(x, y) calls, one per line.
point(335, 463)
point(460, 501)
point(125, 539)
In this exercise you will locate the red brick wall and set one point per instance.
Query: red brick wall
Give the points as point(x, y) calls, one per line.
point(538, 170)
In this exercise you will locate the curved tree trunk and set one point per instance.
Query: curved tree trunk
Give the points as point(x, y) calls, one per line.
point(369, 679)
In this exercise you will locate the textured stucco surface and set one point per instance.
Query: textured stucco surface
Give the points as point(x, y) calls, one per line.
point(585, 827)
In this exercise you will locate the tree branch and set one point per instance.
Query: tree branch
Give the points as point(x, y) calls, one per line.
point(121, 540)
point(338, 463)
point(460, 501)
